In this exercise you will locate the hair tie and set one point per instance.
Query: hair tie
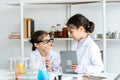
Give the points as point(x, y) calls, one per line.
point(88, 26)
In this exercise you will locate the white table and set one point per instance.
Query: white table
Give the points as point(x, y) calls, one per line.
point(30, 75)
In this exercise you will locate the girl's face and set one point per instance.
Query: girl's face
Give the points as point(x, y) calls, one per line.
point(45, 44)
point(76, 33)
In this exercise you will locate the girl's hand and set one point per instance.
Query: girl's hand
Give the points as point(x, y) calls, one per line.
point(48, 65)
point(73, 67)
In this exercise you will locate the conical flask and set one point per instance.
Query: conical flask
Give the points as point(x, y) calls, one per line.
point(42, 72)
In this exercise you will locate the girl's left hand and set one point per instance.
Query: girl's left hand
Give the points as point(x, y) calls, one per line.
point(73, 67)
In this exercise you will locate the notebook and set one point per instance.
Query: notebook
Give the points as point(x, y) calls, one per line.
point(67, 59)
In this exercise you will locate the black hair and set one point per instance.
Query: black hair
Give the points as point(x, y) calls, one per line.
point(36, 36)
point(79, 20)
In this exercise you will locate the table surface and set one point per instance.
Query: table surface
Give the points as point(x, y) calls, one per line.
point(31, 75)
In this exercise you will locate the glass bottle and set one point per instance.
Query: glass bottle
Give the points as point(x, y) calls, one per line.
point(59, 31)
point(65, 32)
point(53, 29)
point(58, 27)
point(116, 34)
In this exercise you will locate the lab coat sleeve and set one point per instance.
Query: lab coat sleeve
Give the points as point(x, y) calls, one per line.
point(96, 64)
point(56, 62)
point(33, 62)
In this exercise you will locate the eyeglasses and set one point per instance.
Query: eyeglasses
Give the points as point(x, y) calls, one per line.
point(46, 41)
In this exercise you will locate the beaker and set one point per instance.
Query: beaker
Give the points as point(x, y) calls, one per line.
point(19, 66)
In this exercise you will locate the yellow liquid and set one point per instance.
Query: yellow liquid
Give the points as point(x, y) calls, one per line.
point(20, 69)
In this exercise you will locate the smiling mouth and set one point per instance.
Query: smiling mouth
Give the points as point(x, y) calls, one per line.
point(51, 45)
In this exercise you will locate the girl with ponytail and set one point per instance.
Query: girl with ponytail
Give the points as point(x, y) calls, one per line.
point(88, 53)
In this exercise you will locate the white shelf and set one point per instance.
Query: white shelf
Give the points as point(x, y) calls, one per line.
point(26, 40)
point(113, 1)
point(56, 2)
point(97, 39)
point(113, 39)
point(63, 38)
point(9, 4)
point(61, 1)
point(50, 2)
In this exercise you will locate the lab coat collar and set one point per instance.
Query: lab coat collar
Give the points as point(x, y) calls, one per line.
point(84, 41)
point(37, 53)
point(81, 42)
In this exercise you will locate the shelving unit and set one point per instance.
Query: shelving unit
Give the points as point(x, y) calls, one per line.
point(68, 11)
point(69, 3)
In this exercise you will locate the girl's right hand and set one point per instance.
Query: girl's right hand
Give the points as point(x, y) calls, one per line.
point(74, 67)
point(48, 65)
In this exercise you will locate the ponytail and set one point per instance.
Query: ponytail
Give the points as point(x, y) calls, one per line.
point(91, 27)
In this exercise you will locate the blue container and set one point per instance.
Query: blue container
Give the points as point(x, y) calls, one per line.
point(43, 75)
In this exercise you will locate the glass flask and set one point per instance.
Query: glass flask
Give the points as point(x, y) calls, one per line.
point(42, 72)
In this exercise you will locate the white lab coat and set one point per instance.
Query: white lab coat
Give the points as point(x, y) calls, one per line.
point(88, 57)
point(53, 57)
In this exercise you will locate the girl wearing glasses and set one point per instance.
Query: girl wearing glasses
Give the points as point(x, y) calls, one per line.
point(42, 47)
point(88, 53)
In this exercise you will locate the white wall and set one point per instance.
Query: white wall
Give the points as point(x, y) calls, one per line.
point(9, 22)
point(48, 15)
